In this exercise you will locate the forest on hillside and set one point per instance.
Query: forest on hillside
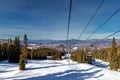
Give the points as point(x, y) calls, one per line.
point(16, 53)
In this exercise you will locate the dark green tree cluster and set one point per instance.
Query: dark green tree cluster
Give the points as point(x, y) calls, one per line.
point(78, 56)
point(56, 55)
point(42, 53)
point(3, 51)
point(38, 53)
point(10, 50)
point(14, 50)
point(112, 55)
point(74, 56)
point(101, 54)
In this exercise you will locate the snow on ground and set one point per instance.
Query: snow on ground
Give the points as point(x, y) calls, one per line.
point(58, 70)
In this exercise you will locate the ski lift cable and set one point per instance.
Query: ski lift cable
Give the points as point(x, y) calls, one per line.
point(103, 23)
point(68, 30)
point(98, 8)
point(69, 19)
point(106, 37)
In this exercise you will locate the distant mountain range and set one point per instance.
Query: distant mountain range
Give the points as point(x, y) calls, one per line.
point(72, 43)
point(76, 43)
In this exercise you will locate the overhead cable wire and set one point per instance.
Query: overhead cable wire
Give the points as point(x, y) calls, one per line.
point(107, 37)
point(103, 23)
point(98, 8)
point(69, 19)
point(68, 30)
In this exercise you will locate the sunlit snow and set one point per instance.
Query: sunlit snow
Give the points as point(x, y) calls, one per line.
point(58, 70)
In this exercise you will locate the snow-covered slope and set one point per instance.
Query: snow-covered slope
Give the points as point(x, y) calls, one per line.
point(58, 70)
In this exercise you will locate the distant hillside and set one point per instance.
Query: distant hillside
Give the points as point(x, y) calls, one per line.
point(72, 43)
point(75, 43)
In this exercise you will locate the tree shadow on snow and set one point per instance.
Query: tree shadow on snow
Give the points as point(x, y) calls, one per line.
point(5, 71)
point(69, 75)
point(100, 64)
point(30, 68)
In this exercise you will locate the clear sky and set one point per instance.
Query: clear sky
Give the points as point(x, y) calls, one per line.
point(47, 19)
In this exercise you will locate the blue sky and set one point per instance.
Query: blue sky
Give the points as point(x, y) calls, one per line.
point(47, 19)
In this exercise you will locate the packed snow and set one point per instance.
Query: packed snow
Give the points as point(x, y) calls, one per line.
point(58, 70)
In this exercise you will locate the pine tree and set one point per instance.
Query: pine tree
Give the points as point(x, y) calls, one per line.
point(80, 56)
point(25, 40)
point(119, 57)
point(23, 55)
point(31, 55)
point(9, 50)
point(4, 51)
point(25, 47)
point(13, 50)
point(113, 60)
point(74, 56)
point(22, 59)
point(119, 61)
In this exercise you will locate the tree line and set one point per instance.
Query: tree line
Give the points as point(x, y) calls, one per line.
point(10, 51)
point(110, 54)
point(14, 52)
point(42, 53)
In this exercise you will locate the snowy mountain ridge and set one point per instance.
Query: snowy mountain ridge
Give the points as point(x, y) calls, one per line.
point(75, 43)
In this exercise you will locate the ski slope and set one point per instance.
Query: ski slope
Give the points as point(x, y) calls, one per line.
point(58, 70)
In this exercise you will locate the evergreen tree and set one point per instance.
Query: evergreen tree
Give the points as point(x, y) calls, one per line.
point(23, 55)
point(22, 59)
point(119, 59)
point(113, 60)
point(31, 55)
point(25, 40)
point(9, 50)
point(16, 53)
point(25, 47)
point(78, 56)
point(13, 50)
point(74, 56)
point(4, 51)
